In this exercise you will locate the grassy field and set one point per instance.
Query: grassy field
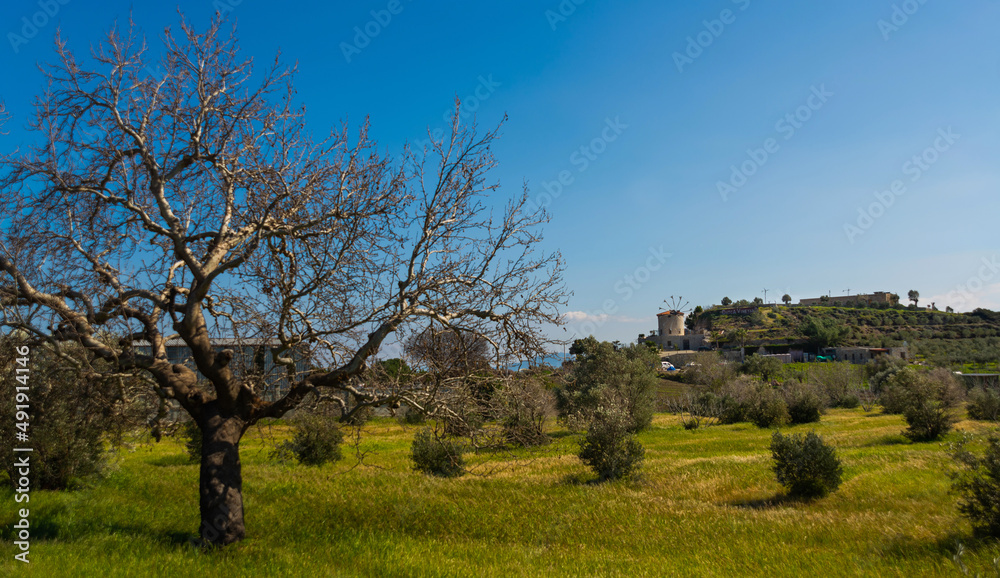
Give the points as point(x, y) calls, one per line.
point(706, 505)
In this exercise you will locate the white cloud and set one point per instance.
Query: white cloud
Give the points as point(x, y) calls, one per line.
point(601, 318)
point(965, 298)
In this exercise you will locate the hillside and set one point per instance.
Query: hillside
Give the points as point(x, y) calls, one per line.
point(942, 338)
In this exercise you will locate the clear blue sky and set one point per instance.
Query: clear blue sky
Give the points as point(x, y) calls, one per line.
point(662, 122)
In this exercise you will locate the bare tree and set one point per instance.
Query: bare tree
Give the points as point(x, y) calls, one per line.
point(194, 206)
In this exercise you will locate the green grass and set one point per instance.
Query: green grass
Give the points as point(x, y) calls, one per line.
point(707, 505)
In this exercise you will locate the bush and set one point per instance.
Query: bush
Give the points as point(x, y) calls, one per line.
point(928, 420)
point(984, 404)
point(734, 401)
point(894, 399)
point(881, 370)
point(767, 408)
point(710, 370)
point(805, 466)
point(605, 374)
point(524, 405)
point(316, 440)
point(926, 400)
point(608, 448)
point(190, 435)
point(435, 455)
point(978, 484)
point(839, 382)
point(804, 404)
point(691, 423)
point(767, 368)
point(412, 416)
point(74, 421)
point(850, 401)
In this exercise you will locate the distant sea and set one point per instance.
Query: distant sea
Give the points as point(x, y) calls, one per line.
point(552, 359)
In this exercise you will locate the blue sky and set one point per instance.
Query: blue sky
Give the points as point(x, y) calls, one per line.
point(802, 112)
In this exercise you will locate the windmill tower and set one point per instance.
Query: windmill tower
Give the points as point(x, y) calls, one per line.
point(671, 322)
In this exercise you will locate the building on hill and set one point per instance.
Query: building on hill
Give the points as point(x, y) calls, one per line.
point(671, 334)
point(873, 298)
point(865, 354)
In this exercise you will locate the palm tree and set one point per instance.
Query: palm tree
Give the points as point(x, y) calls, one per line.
point(740, 336)
point(786, 298)
point(914, 296)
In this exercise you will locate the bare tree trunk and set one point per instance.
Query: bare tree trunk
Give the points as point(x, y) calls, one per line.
point(221, 484)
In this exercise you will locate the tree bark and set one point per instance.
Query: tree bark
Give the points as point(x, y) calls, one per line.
point(221, 483)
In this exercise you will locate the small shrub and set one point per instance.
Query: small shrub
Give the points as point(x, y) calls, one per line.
point(977, 483)
point(605, 373)
point(838, 382)
point(75, 422)
point(691, 423)
point(893, 399)
point(881, 370)
point(435, 455)
point(984, 404)
point(850, 401)
point(523, 407)
point(925, 400)
point(805, 466)
point(735, 399)
point(767, 368)
point(316, 440)
point(465, 422)
point(710, 370)
point(190, 434)
point(767, 408)
point(927, 420)
point(412, 416)
point(804, 404)
point(608, 448)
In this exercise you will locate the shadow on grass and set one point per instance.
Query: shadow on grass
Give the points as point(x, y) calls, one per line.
point(580, 480)
point(889, 440)
point(51, 523)
point(957, 547)
point(769, 503)
point(636, 480)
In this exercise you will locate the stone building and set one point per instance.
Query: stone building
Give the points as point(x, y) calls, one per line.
point(865, 354)
point(877, 297)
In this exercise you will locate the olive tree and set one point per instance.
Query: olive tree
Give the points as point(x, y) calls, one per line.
point(194, 206)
